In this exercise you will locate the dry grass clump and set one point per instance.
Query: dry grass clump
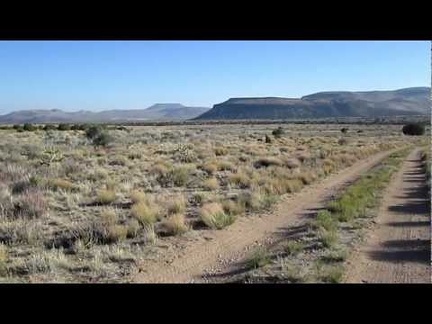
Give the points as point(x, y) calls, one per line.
point(177, 204)
point(210, 167)
point(31, 204)
point(219, 150)
point(145, 212)
point(214, 216)
point(232, 207)
point(293, 185)
point(99, 231)
point(109, 216)
point(137, 196)
point(224, 165)
point(200, 198)
point(267, 161)
point(302, 157)
point(210, 184)
point(240, 180)
point(292, 163)
point(176, 176)
point(106, 197)
point(61, 184)
point(175, 224)
point(306, 177)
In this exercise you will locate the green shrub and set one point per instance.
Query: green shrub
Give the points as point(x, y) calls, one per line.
point(278, 132)
point(259, 258)
point(48, 127)
point(414, 129)
point(29, 127)
point(63, 127)
point(103, 139)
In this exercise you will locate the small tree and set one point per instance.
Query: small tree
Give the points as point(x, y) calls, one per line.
point(268, 139)
point(344, 130)
point(93, 132)
point(63, 127)
point(48, 127)
point(29, 127)
point(98, 136)
point(415, 129)
point(278, 132)
point(102, 139)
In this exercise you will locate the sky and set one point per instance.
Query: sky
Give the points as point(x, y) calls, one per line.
point(99, 75)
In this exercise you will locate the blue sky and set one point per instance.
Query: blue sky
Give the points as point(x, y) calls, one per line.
point(97, 75)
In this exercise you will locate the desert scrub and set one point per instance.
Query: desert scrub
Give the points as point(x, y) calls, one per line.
point(20, 232)
point(224, 165)
point(109, 216)
point(200, 198)
point(306, 177)
point(145, 212)
point(213, 215)
point(267, 161)
point(97, 231)
point(292, 163)
point(220, 151)
point(133, 227)
point(210, 167)
point(137, 196)
point(176, 176)
point(233, 207)
point(335, 255)
point(251, 200)
point(240, 180)
point(294, 247)
point(363, 194)
point(259, 258)
point(177, 204)
point(150, 236)
point(293, 185)
point(325, 220)
point(328, 238)
point(210, 184)
point(332, 273)
point(106, 197)
point(60, 184)
point(175, 224)
point(3, 259)
point(31, 204)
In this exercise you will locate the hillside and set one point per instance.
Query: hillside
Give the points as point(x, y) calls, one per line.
point(409, 101)
point(155, 112)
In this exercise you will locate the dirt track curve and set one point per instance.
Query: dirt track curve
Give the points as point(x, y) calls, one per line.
point(398, 248)
point(221, 248)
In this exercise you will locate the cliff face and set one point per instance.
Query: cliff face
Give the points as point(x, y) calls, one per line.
point(409, 101)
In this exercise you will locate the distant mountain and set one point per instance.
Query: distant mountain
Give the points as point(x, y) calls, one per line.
point(163, 112)
point(408, 101)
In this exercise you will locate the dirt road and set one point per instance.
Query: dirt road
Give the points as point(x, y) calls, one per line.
point(397, 249)
point(218, 249)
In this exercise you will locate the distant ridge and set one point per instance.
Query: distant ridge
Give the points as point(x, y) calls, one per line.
point(160, 111)
point(407, 101)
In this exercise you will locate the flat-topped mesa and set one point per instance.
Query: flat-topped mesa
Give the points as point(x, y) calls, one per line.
point(263, 101)
point(331, 104)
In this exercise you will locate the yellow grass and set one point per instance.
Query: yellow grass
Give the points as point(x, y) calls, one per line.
point(175, 224)
point(211, 184)
point(106, 197)
point(145, 213)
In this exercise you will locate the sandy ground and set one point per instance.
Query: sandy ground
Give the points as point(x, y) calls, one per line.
point(398, 248)
point(217, 250)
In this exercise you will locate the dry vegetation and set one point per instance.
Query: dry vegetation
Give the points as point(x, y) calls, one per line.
point(318, 254)
point(72, 212)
